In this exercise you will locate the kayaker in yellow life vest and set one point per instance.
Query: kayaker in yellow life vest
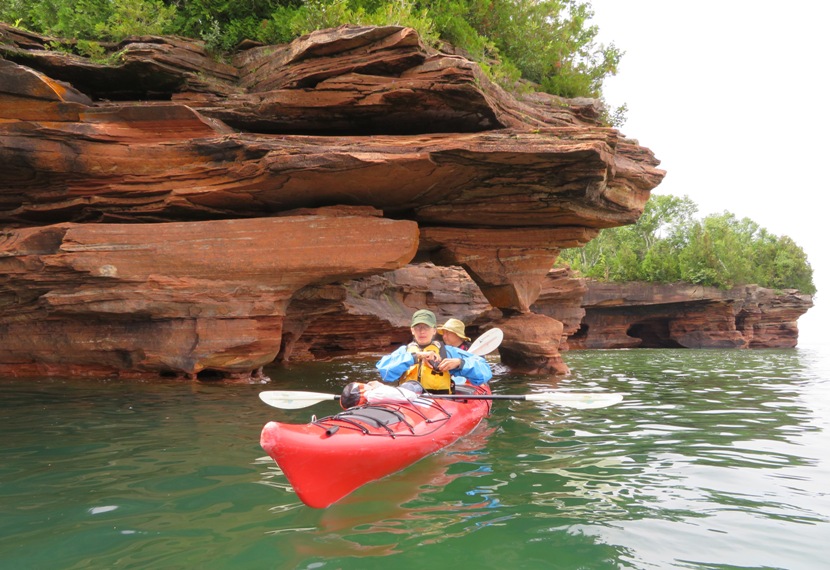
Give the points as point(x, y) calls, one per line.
point(429, 362)
point(426, 370)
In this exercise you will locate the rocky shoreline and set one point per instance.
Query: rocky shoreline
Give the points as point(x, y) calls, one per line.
point(170, 214)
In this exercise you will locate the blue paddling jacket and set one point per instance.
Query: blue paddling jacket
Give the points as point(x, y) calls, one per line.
point(474, 368)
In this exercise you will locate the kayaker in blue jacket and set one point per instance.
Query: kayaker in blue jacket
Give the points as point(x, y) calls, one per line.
point(453, 333)
point(430, 362)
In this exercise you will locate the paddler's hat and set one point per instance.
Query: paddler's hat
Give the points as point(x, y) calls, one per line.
point(453, 325)
point(423, 316)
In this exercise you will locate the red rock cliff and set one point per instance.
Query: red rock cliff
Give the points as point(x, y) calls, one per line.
point(648, 315)
point(373, 312)
point(170, 214)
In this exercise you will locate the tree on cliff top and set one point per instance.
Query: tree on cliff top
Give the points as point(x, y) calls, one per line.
point(547, 42)
point(669, 244)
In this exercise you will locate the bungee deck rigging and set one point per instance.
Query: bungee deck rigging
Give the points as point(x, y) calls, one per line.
point(381, 416)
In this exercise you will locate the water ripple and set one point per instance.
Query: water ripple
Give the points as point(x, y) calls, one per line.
point(715, 459)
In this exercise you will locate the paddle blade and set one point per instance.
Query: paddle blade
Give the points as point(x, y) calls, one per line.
point(293, 400)
point(488, 342)
point(578, 400)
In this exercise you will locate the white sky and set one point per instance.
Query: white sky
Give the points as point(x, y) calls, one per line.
point(732, 97)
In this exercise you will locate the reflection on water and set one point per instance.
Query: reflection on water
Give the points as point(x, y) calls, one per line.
point(715, 459)
point(380, 518)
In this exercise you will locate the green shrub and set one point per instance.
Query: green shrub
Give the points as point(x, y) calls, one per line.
point(669, 244)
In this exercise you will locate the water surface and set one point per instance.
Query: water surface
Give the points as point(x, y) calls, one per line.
point(716, 459)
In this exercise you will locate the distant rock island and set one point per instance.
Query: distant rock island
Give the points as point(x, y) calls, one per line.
point(168, 214)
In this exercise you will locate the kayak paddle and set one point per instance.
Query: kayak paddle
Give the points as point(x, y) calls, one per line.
point(292, 400)
point(487, 343)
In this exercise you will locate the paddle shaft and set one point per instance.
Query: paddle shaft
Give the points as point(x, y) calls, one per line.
point(293, 400)
point(458, 396)
point(579, 400)
point(474, 396)
point(455, 396)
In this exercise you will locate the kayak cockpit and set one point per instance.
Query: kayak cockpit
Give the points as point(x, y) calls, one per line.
point(384, 419)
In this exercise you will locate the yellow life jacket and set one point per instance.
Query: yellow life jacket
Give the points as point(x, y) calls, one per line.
point(423, 373)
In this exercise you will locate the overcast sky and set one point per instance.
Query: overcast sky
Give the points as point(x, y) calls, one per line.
point(732, 98)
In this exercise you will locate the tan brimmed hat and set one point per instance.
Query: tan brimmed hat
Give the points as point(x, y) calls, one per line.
point(453, 325)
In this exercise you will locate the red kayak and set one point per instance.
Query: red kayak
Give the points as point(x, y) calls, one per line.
point(327, 459)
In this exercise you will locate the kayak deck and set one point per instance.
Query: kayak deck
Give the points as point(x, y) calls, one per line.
point(328, 458)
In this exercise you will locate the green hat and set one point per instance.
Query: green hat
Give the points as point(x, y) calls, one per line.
point(424, 316)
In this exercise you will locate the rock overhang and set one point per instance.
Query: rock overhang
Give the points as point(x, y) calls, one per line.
point(354, 117)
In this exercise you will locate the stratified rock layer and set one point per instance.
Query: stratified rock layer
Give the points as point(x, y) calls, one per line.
point(176, 297)
point(646, 315)
point(353, 124)
point(371, 313)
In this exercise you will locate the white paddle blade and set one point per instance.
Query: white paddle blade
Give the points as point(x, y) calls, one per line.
point(488, 342)
point(578, 400)
point(293, 400)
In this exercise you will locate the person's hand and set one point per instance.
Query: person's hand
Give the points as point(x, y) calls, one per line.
point(450, 364)
point(427, 356)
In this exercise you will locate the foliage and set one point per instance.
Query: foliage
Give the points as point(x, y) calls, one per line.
point(616, 117)
point(91, 20)
point(548, 42)
point(136, 18)
point(669, 244)
point(319, 14)
point(223, 23)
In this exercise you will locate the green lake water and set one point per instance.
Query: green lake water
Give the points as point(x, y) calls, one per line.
point(715, 460)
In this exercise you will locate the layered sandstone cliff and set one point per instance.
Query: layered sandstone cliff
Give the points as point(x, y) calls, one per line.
point(374, 312)
point(648, 315)
point(171, 214)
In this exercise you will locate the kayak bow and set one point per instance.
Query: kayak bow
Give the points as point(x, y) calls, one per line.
point(328, 458)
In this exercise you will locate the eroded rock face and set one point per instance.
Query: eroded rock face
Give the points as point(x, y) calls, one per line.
point(372, 315)
point(177, 297)
point(561, 299)
point(363, 121)
point(645, 315)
